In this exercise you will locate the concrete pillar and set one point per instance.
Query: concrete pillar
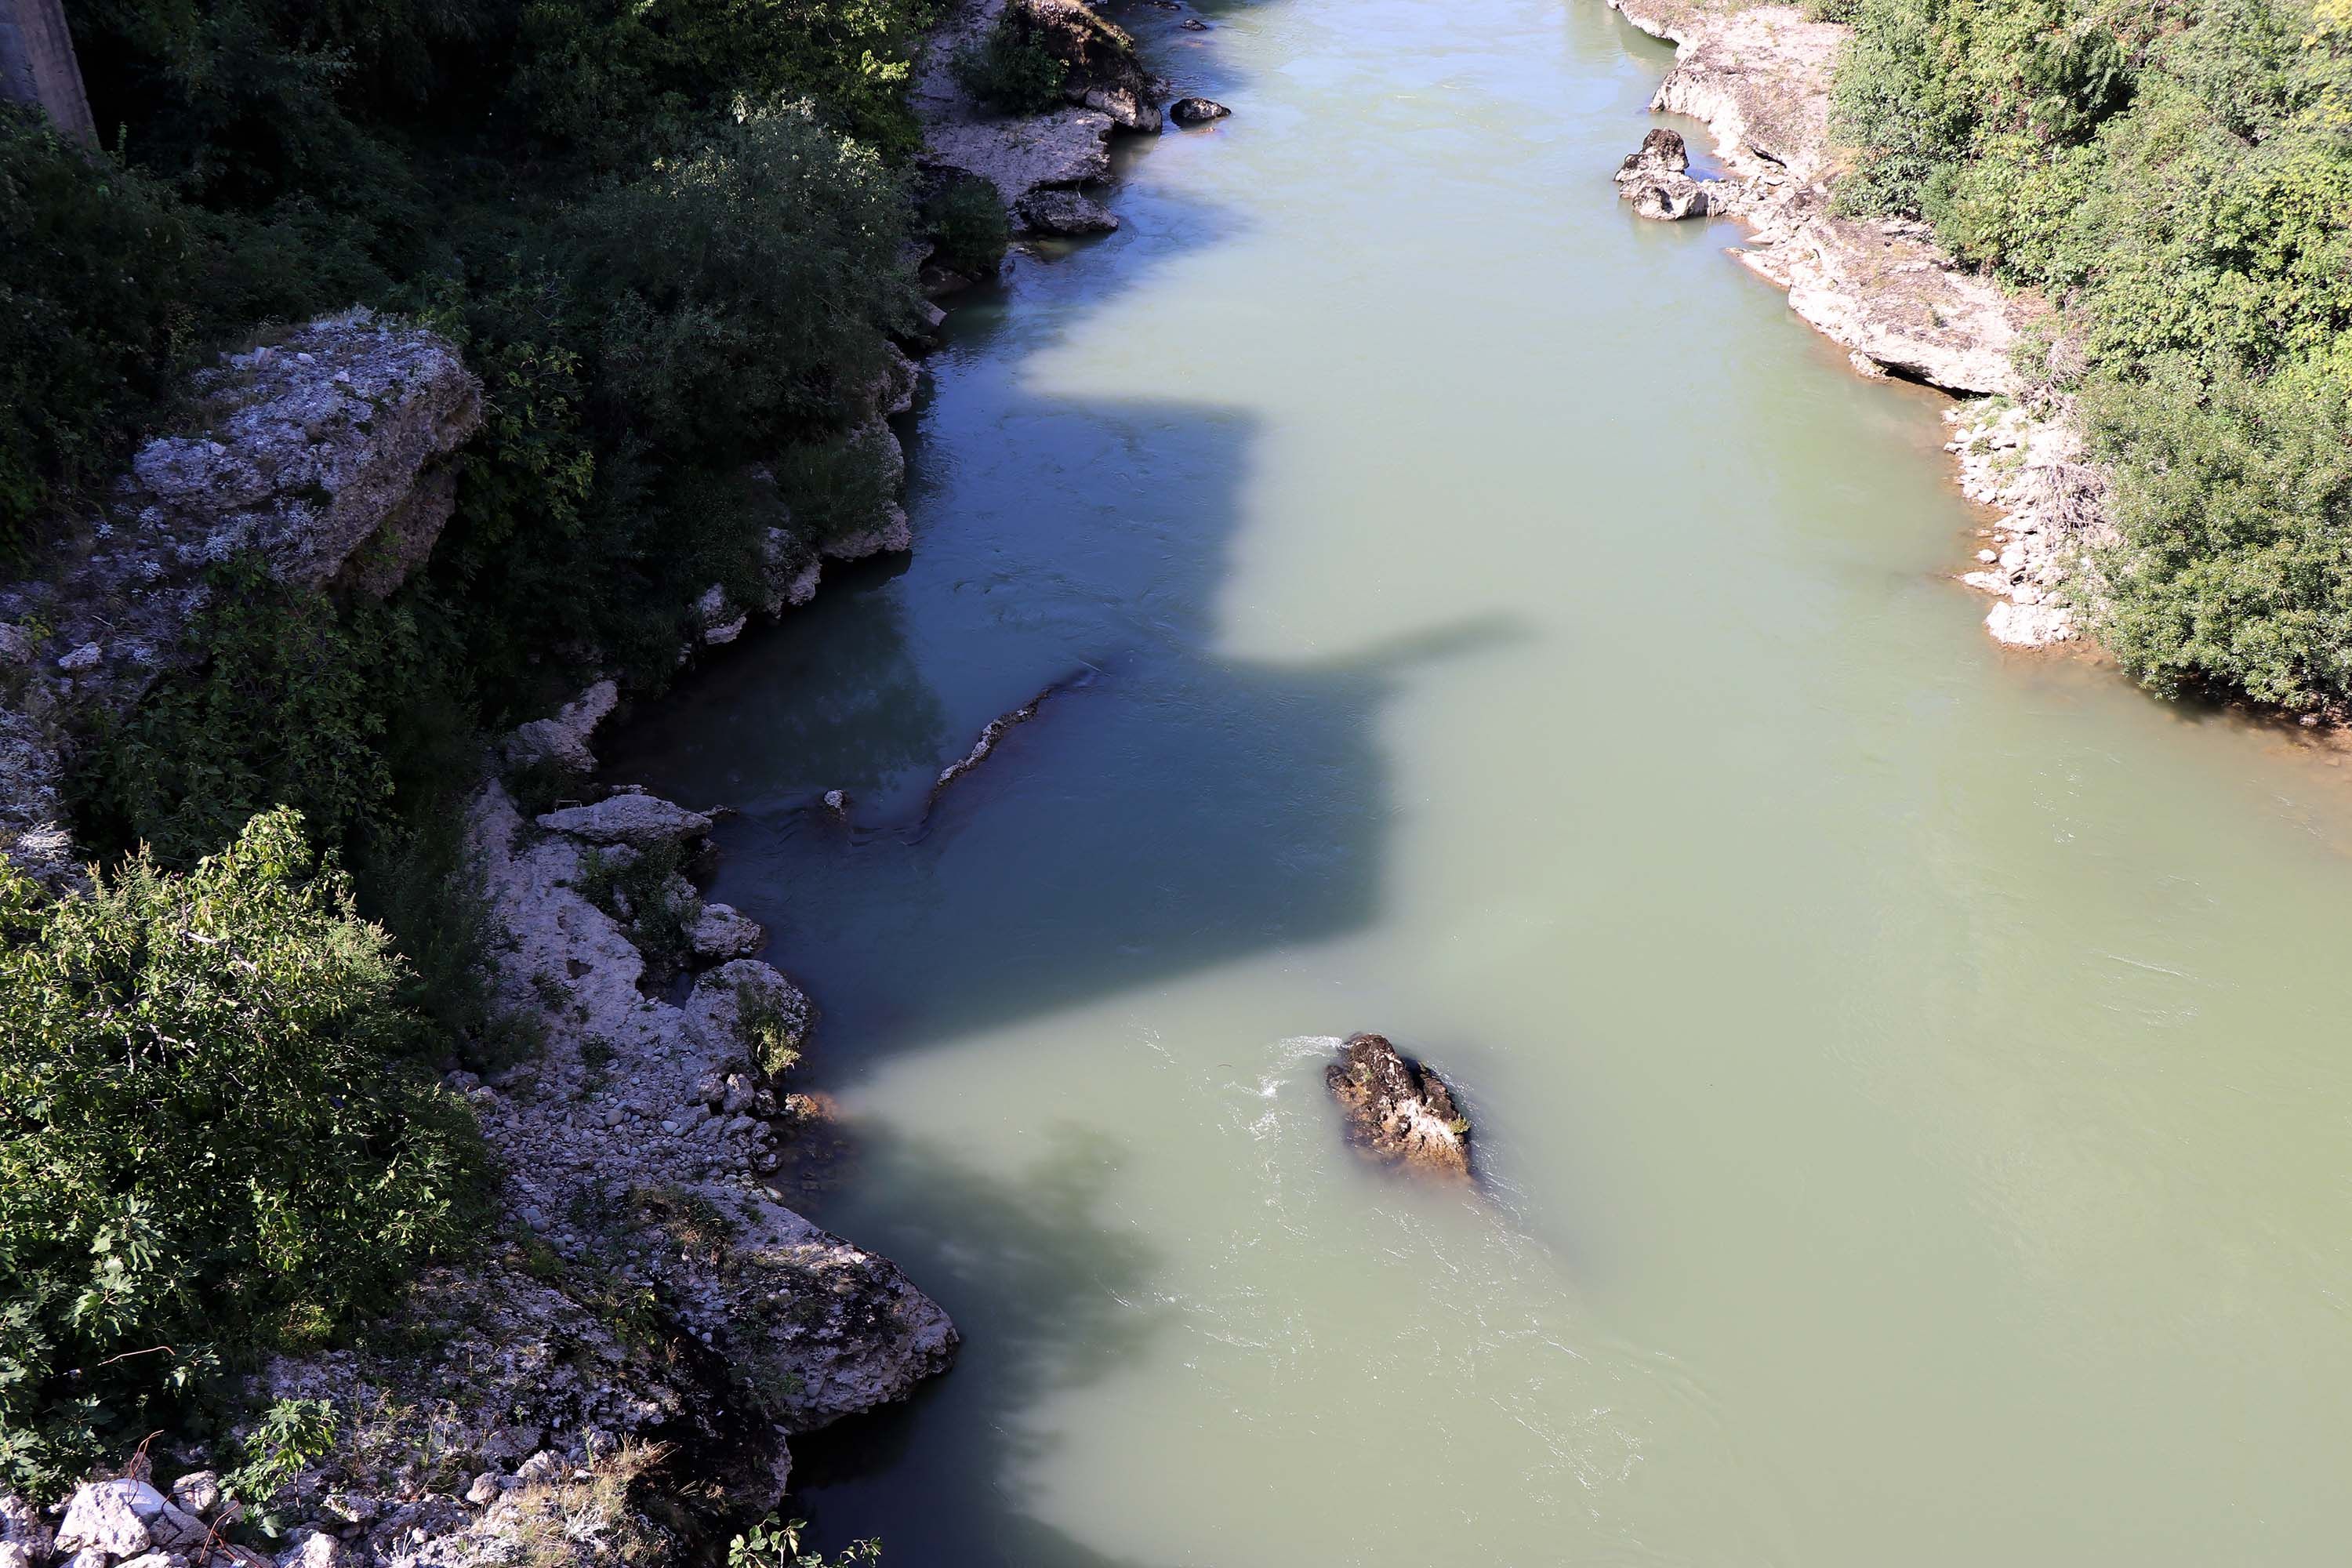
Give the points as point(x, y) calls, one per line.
point(37, 65)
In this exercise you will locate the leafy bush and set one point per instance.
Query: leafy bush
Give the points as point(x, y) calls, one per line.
point(774, 1543)
point(602, 74)
point(214, 1138)
point(1010, 71)
point(2173, 177)
point(965, 217)
point(2235, 503)
point(98, 308)
point(746, 287)
point(290, 707)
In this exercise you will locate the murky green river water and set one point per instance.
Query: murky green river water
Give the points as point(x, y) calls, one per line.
point(1914, 1082)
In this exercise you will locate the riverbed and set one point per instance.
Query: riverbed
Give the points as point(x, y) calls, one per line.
point(1910, 1079)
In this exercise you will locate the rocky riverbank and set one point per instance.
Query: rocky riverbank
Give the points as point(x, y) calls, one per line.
point(1759, 78)
point(617, 1378)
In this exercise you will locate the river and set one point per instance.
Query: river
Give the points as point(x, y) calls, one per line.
point(1911, 1080)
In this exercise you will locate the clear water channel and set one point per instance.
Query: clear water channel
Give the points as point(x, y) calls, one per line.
point(1912, 1082)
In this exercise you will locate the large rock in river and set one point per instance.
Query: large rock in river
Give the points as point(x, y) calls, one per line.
point(1398, 1111)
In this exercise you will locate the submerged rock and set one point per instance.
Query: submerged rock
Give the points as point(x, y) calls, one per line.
point(1196, 111)
point(1399, 1113)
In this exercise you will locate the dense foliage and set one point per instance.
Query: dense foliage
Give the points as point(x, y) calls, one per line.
point(1011, 71)
point(2174, 177)
point(214, 1138)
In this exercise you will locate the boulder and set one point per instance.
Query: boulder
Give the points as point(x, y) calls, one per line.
point(1662, 153)
point(1398, 1111)
point(331, 451)
point(640, 821)
point(198, 1492)
point(722, 931)
point(562, 741)
point(1670, 197)
point(1656, 179)
point(1066, 213)
point(1196, 111)
point(716, 1011)
point(106, 1515)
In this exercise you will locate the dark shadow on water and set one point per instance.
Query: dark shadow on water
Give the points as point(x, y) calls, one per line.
point(1184, 810)
point(1048, 1298)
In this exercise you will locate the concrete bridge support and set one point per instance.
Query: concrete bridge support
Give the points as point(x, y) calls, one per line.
point(37, 65)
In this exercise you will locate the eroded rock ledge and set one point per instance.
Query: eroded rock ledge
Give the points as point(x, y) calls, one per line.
point(330, 455)
point(659, 1323)
point(1760, 79)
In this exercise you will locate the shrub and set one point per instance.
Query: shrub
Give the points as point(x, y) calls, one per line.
point(292, 705)
point(746, 287)
point(213, 1135)
point(2235, 504)
point(968, 227)
point(2174, 179)
point(833, 488)
point(1010, 71)
point(98, 309)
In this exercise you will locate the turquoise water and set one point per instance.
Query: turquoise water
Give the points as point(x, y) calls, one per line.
point(1910, 1079)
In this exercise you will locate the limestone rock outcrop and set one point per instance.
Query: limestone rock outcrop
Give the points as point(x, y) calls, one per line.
point(329, 455)
point(662, 1307)
point(1196, 111)
point(1398, 1111)
point(1760, 79)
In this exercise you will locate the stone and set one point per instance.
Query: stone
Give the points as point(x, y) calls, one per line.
point(21, 1525)
point(539, 1468)
point(1669, 198)
point(175, 1526)
point(106, 1515)
point(20, 1554)
point(716, 1008)
point(330, 452)
point(1196, 111)
point(640, 821)
point(315, 1550)
point(1398, 1111)
point(562, 741)
point(88, 656)
point(198, 1492)
point(1662, 153)
point(155, 1560)
point(2017, 624)
point(87, 1557)
point(1065, 213)
point(1194, 24)
point(15, 644)
point(485, 1491)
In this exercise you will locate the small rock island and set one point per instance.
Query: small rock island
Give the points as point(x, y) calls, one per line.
point(1399, 1113)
